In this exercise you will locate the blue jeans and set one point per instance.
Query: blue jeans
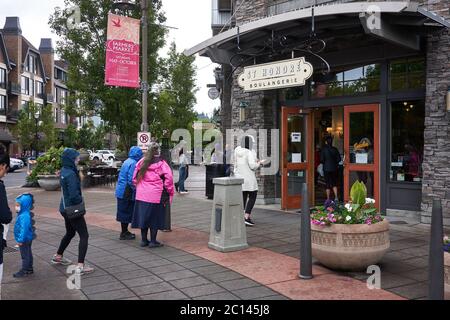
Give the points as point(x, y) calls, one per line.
point(27, 256)
point(182, 178)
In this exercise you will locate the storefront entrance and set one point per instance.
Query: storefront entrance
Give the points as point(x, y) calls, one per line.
point(355, 132)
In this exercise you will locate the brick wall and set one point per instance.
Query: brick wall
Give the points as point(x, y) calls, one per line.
point(436, 164)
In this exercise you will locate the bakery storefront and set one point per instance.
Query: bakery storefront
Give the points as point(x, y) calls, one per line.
point(369, 90)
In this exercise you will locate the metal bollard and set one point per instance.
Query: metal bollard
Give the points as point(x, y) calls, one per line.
point(165, 152)
point(436, 262)
point(305, 237)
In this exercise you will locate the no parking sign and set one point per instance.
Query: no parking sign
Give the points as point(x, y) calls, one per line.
point(143, 140)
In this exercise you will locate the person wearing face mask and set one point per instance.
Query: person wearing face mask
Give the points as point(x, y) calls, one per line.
point(24, 233)
point(71, 196)
point(5, 212)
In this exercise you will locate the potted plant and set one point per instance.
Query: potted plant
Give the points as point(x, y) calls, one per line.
point(447, 263)
point(47, 170)
point(351, 236)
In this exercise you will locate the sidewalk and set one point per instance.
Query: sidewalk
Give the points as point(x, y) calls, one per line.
point(187, 269)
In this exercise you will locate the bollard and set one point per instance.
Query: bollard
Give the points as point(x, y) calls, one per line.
point(305, 237)
point(436, 264)
point(165, 152)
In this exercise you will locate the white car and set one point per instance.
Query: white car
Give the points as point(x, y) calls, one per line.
point(15, 164)
point(102, 155)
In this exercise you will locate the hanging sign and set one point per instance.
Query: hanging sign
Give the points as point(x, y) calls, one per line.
point(122, 52)
point(276, 75)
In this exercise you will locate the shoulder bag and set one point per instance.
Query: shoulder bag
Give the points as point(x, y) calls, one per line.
point(73, 212)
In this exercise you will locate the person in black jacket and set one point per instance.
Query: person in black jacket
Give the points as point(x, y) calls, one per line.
point(5, 212)
point(330, 159)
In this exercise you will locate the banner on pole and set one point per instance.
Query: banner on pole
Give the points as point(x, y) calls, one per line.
point(122, 52)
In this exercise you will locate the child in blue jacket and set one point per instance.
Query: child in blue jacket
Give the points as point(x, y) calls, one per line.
point(24, 232)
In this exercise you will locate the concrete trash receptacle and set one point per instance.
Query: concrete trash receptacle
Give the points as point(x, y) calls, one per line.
point(228, 231)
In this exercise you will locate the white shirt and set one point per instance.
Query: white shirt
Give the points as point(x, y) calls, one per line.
point(245, 164)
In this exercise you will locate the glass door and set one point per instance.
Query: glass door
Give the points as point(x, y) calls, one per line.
point(361, 146)
point(297, 151)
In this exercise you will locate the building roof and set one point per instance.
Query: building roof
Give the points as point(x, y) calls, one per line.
point(27, 47)
point(401, 23)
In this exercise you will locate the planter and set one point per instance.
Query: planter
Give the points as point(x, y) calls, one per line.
point(447, 271)
point(351, 247)
point(49, 182)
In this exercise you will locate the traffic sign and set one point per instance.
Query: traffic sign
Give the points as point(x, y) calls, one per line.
point(143, 140)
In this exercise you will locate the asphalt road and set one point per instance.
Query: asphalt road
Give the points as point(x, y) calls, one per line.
point(16, 178)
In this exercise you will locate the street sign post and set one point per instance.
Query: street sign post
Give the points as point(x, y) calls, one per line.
point(143, 140)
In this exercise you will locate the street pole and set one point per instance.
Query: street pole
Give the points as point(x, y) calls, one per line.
point(305, 237)
point(436, 258)
point(144, 84)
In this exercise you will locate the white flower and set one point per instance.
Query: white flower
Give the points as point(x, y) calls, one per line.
point(348, 218)
point(348, 206)
point(370, 200)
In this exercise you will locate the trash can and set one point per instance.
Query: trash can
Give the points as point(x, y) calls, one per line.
point(212, 171)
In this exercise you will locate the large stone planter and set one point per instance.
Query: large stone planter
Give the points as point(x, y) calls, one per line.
point(351, 247)
point(447, 271)
point(49, 182)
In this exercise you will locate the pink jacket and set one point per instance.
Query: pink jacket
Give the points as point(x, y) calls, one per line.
point(150, 188)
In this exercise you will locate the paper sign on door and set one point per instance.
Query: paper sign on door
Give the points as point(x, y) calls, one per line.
point(296, 158)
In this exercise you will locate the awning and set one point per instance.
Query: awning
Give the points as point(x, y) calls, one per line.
point(401, 23)
point(5, 136)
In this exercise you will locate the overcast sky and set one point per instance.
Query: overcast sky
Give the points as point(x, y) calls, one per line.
point(193, 23)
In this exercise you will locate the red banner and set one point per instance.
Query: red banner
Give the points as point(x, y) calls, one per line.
point(122, 52)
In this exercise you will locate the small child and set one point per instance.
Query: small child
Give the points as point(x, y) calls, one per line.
point(24, 232)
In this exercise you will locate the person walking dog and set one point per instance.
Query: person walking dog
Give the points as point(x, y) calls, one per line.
point(154, 191)
point(126, 192)
point(72, 210)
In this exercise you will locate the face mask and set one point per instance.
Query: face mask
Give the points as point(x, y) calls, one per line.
point(77, 160)
point(17, 209)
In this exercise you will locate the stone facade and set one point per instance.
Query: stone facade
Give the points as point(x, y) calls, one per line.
point(436, 165)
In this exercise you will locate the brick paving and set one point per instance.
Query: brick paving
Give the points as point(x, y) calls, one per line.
point(184, 269)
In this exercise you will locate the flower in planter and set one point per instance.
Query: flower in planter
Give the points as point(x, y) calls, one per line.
point(447, 244)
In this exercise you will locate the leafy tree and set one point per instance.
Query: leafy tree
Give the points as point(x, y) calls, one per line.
point(71, 137)
point(36, 135)
point(83, 47)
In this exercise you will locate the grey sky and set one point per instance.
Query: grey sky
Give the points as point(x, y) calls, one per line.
point(193, 18)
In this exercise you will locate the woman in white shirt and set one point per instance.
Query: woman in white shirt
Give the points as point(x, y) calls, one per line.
point(245, 164)
point(183, 161)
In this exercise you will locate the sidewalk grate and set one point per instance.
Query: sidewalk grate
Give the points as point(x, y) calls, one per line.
point(9, 250)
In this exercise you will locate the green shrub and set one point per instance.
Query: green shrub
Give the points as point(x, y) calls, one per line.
point(48, 164)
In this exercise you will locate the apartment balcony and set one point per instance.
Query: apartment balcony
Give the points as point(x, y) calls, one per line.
point(14, 88)
point(12, 115)
point(2, 85)
point(220, 18)
point(42, 96)
point(49, 98)
point(284, 6)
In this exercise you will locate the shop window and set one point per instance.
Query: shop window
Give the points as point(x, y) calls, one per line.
point(407, 140)
point(350, 82)
point(407, 74)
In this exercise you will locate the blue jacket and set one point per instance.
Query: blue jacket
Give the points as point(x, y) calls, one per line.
point(70, 180)
point(127, 170)
point(23, 229)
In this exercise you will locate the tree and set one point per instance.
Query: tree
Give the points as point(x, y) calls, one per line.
point(83, 47)
point(34, 135)
point(176, 102)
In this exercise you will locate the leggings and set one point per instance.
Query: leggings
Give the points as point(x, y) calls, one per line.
point(153, 234)
point(251, 195)
point(75, 226)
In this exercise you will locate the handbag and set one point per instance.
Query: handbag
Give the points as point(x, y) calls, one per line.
point(165, 196)
point(74, 212)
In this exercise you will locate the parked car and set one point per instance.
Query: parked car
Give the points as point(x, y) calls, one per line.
point(15, 164)
point(102, 155)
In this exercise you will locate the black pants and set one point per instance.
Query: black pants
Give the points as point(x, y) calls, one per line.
point(251, 195)
point(75, 226)
point(27, 256)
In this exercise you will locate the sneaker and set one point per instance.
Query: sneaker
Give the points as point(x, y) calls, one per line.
point(184, 192)
point(31, 271)
point(63, 261)
point(84, 270)
point(20, 274)
point(249, 222)
point(127, 236)
point(176, 186)
point(144, 243)
point(155, 244)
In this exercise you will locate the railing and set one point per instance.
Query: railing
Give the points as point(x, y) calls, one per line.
point(2, 85)
point(42, 96)
point(291, 5)
point(13, 115)
point(14, 88)
point(50, 98)
point(3, 112)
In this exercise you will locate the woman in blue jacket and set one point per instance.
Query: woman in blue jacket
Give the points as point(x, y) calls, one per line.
point(71, 196)
point(24, 233)
point(125, 192)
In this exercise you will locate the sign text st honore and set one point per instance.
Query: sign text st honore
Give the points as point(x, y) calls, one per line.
point(276, 75)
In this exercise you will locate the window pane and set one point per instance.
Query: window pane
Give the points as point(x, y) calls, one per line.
point(407, 143)
point(361, 137)
point(296, 138)
point(295, 180)
point(407, 74)
point(366, 177)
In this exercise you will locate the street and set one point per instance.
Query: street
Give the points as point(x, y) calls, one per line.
point(16, 178)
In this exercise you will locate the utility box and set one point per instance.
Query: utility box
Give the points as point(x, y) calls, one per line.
point(228, 231)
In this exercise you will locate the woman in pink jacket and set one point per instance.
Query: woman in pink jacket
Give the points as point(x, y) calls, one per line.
point(154, 190)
